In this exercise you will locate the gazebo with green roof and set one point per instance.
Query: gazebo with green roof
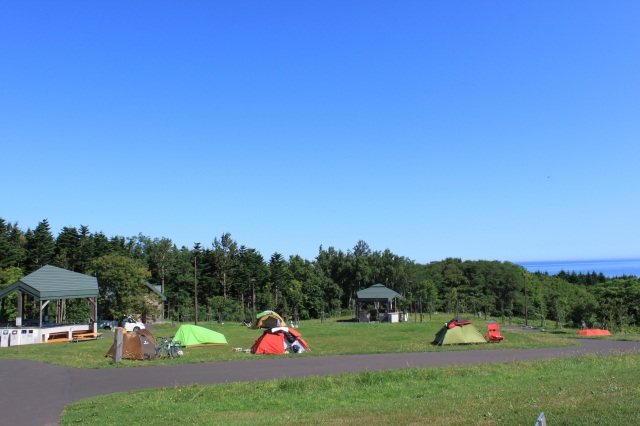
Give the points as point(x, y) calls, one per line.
point(377, 294)
point(52, 283)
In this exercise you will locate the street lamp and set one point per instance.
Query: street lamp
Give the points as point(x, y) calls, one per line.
point(195, 251)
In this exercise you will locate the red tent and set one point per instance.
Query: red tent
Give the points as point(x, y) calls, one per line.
point(594, 332)
point(279, 340)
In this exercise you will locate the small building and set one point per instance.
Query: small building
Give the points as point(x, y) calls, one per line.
point(45, 285)
point(156, 311)
point(383, 299)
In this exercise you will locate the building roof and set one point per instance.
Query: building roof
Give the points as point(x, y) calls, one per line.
point(377, 293)
point(156, 289)
point(51, 282)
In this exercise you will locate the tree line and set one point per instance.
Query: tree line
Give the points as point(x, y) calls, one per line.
point(230, 281)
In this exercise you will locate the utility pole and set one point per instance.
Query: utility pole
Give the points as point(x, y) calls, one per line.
point(526, 313)
point(253, 298)
point(195, 251)
point(430, 306)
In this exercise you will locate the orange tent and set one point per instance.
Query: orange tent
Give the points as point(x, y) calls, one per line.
point(594, 332)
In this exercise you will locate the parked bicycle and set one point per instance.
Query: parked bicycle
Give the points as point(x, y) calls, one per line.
point(168, 347)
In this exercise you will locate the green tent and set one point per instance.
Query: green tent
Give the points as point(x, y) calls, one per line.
point(192, 335)
point(458, 332)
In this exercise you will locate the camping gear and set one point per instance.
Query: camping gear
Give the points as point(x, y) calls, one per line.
point(594, 332)
point(193, 335)
point(458, 331)
point(494, 332)
point(139, 344)
point(169, 347)
point(279, 340)
point(268, 319)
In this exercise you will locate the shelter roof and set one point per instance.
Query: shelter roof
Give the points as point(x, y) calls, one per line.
point(156, 289)
point(377, 293)
point(51, 282)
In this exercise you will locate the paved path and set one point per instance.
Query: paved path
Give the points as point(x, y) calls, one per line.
point(33, 393)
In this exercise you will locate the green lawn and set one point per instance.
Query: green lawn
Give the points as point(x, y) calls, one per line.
point(586, 390)
point(329, 338)
point(580, 390)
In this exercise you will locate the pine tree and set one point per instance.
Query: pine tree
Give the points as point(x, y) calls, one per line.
point(40, 246)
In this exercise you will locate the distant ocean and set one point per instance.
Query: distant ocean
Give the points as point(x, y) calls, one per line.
point(609, 268)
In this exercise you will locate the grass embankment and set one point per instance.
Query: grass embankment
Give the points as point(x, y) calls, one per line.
point(582, 390)
point(329, 338)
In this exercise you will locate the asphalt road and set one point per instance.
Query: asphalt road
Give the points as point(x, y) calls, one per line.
point(33, 393)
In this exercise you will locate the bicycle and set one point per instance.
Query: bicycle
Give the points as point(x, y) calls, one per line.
point(168, 347)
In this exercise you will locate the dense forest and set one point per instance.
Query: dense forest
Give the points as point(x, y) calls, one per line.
point(227, 280)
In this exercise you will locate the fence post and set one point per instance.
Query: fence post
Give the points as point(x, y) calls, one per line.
point(117, 345)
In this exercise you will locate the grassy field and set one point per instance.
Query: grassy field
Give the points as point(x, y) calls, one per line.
point(587, 390)
point(580, 390)
point(329, 338)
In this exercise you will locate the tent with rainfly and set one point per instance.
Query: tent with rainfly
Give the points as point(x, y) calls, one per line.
point(194, 335)
point(279, 340)
point(139, 344)
point(458, 331)
point(268, 319)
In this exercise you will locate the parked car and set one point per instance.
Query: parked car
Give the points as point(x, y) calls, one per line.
point(107, 324)
point(128, 323)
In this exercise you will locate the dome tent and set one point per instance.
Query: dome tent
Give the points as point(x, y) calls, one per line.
point(139, 344)
point(194, 335)
point(268, 319)
point(458, 331)
point(279, 340)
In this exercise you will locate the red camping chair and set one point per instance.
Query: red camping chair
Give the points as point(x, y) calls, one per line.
point(494, 332)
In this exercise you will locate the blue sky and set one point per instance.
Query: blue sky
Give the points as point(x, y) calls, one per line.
point(479, 130)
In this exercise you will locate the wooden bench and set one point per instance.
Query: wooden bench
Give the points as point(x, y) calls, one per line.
point(58, 337)
point(85, 336)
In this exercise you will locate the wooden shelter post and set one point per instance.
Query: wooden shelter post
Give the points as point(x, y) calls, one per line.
point(93, 302)
point(19, 317)
point(42, 306)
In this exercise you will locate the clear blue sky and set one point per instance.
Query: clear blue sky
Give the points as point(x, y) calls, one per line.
point(473, 129)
